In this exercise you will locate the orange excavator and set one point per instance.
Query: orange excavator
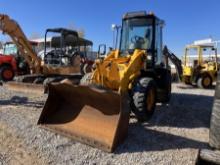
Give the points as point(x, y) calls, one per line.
point(69, 64)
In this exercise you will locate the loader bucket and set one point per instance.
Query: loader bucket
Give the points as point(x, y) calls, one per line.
point(25, 87)
point(96, 117)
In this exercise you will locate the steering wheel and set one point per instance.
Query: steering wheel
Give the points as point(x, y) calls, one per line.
point(137, 39)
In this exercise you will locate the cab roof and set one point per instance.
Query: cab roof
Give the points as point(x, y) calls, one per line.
point(199, 46)
point(142, 14)
point(70, 41)
point(64, 31)
point(138, 14)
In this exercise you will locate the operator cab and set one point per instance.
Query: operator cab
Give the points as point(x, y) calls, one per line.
point(10, 49)
point(198, 55)
point(144, 32)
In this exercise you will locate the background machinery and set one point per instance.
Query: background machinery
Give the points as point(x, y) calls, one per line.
point(12, 63)
point(45, 71)
point(197, 69)
point(64, 50)
point(135, 77)
point(177, 63)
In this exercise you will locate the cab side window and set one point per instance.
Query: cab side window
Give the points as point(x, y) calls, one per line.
point(158, 43)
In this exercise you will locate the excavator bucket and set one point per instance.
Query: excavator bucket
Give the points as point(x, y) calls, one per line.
point(25, 87)
point(96, 117)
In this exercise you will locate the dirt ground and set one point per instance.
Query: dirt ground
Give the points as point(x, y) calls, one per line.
point(13, 150)
point(173, 135)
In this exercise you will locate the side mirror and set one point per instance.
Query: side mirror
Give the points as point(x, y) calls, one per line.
point(102, 51)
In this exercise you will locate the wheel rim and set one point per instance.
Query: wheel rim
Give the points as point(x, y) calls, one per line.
point(206, 81)
point(150, 100)
point(7, 74)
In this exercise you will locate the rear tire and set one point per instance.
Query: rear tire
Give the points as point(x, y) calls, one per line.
point(144, 98)
point(6, 73)
point(205, 81)
point(165, 95)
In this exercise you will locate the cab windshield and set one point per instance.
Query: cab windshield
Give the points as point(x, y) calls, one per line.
point(136, 34)
point(10, 49)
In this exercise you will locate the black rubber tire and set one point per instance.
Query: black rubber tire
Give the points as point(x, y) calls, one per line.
point(6, 68)
point(201, 84)
point(86, 79)
point(140, 94)
point(166, 95)
point(214, 133)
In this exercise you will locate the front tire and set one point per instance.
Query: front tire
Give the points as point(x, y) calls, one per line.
point(6, 73)
point(144, 98)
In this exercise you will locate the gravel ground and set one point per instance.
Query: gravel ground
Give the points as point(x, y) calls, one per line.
point(172, 136)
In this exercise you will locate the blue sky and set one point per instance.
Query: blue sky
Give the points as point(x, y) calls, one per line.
point(186, 20)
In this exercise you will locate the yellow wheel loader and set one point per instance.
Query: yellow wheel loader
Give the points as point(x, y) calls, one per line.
point(133, 78)
point(200, 65)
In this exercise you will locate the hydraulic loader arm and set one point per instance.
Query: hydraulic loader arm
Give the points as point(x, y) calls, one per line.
point(12, 28)
point(133, 70)
point(175, 60)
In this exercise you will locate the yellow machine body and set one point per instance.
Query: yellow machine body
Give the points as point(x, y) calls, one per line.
point(118, 73)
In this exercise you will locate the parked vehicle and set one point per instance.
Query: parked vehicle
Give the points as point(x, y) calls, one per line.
point(12, 62)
